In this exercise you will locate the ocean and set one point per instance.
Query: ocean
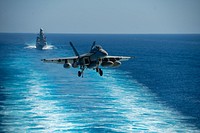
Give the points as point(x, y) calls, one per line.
point(157, 91)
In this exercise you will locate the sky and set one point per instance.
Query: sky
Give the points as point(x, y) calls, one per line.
point(100, 16)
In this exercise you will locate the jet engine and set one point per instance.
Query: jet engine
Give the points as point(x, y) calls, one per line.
point(67, 65)
point(107, 64)
point(117, 63)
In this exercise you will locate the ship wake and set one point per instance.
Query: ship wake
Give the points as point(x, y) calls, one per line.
point(47, 47)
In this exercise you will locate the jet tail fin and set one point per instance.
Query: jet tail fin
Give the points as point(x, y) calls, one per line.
point(93, 45)
point(74, 49)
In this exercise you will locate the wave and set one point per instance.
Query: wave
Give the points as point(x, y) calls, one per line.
point(57, 104)
point(47, 47)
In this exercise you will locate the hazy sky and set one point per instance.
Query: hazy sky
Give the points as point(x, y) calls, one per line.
point(100, 16)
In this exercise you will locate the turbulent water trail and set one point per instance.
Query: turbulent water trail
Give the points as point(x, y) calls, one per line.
point(143, 110)
point(32, 46)
point(39, 97)
point(110, 103)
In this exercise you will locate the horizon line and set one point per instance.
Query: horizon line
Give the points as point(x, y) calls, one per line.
point(99, 33)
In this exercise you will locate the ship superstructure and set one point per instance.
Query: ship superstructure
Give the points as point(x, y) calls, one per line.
point(41, 40)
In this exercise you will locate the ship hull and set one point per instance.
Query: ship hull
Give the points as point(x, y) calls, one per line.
point(40, 46)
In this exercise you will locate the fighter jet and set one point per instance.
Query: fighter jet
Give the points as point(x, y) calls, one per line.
point(96, 58)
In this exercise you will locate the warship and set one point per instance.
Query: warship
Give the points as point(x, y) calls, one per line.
point(41, 40)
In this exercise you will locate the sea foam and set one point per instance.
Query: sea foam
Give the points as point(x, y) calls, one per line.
point(47, 47)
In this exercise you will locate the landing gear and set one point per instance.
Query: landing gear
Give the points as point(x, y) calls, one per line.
point(80, 73)
point(99, 71)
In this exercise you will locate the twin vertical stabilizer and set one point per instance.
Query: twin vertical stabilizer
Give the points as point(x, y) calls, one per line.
point(74, 49)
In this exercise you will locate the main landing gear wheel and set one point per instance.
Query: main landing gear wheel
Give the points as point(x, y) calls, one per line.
point(79, 73)
point(98, 70)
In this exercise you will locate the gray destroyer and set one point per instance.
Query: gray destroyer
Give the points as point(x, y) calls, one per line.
point(41, 40)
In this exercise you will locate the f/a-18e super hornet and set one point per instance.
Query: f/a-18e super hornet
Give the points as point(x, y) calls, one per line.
point(96, 57)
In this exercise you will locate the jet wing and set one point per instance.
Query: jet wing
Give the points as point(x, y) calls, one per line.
point(116, 58)
point(61, 60)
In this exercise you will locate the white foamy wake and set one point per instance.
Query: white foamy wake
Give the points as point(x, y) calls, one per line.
point(142, 110)
point(30, 111)
point(47, 47)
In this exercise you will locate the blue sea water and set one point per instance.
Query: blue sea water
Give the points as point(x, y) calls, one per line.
point(157, 91)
